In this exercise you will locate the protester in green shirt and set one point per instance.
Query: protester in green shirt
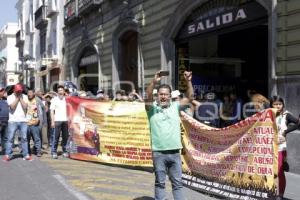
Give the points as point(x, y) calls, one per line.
point(164, 120)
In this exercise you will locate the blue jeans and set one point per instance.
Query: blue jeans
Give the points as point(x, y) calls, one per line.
point(11, 130)
point(3, 129)
point(50, 135)
point(35, 132)
point(167, 162)
point(60, 127)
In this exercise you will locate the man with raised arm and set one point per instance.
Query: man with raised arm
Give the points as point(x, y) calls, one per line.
point(164, 120)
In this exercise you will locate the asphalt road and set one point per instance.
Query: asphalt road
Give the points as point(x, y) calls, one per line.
point(67, 179)
point(46, 179)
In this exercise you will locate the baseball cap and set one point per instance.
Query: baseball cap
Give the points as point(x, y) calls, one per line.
point(18, 88)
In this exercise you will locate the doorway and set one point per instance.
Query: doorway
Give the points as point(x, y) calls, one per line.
point(128, 65)
point(226, 48)
point(88, 74)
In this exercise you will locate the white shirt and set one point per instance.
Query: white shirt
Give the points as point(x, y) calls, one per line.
point(60, 109)
point(18, 115)
point(281, 126)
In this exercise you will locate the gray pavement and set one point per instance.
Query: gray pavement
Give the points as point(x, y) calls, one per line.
point(33, 180)
point(47, 179)
point(293, 186)
point(66, 179)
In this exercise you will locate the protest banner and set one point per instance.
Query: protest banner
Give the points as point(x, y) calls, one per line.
point(116, 133)
point(238, 162)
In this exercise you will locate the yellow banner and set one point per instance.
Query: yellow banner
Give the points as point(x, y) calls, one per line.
point(116, 133)
point(239, 161)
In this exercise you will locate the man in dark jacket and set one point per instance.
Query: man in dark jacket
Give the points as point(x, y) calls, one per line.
point(3, 118)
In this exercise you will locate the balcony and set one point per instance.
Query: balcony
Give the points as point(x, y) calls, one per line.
point(70, 10)
point(73, 8)
point(40, 17)
point(19, 39)
point(84, 6)
point(52, 9)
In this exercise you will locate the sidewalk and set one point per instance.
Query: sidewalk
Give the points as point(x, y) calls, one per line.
point(292, 191)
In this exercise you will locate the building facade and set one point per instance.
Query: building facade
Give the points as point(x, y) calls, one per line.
point(49, 20)
point(229, 46)
point(26, 40)
point(9, 71)
point(287, 64)
point(40, 41)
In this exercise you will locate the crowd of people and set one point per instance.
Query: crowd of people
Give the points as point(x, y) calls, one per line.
point(32, 115)
point(43, 118)
point(228, 110)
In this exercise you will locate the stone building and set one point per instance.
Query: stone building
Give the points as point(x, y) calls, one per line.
point(230, 45)
point(40, 42)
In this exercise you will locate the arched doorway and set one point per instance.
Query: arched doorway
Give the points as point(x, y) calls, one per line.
point(88, 73)
point(225, 44)
point(127, 64)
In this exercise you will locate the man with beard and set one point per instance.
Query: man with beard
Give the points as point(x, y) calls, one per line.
point(35, 121)
point(164, 120)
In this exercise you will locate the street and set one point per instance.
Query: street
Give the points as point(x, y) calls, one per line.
point(45, 179)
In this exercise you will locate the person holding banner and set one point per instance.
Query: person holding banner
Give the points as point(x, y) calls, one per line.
point(283, 120)
point(164, 120)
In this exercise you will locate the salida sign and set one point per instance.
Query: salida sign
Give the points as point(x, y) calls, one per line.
point(219, 20)
point(247, 13)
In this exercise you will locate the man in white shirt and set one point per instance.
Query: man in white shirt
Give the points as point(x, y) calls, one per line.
point(17, 120)
point(59, 122)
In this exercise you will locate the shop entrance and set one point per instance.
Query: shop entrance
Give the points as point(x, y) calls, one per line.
point(227, 58)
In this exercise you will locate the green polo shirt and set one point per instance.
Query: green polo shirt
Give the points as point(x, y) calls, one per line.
point(165, 127)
